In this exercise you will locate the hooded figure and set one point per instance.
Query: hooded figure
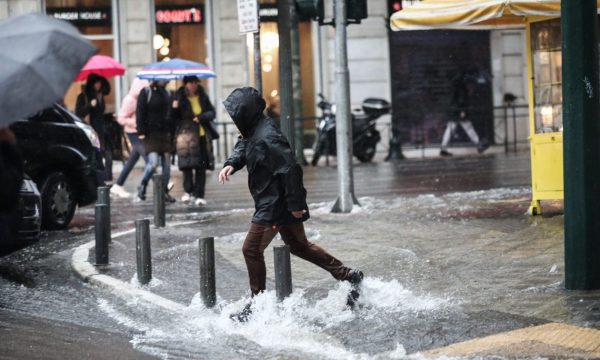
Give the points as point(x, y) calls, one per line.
point(274, 177)
point(275, 182)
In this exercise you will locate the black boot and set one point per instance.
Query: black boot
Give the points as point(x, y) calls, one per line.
point(355, 278)
point(169, 198)
point(243, 315)
point(142, 191)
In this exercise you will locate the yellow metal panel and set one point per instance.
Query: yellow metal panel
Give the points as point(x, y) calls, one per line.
point(547, 162)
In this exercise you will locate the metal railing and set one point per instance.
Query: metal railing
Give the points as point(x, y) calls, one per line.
point(513, 120)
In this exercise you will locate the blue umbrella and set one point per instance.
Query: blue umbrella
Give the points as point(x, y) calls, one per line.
point(175, 68)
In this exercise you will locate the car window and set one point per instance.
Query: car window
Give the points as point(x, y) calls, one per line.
point(48, 115)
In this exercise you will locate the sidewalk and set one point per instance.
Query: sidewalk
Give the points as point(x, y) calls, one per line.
point(444, 272)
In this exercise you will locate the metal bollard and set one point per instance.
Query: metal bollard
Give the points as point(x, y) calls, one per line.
point(283, 272)
point(159, 201)
point(102, 230)
point(142, 251)
point(206, 252)
point(104, 199)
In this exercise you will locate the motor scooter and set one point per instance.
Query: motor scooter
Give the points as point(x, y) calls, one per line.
point(364, 134)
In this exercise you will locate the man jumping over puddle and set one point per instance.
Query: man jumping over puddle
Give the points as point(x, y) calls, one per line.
point(275, 182)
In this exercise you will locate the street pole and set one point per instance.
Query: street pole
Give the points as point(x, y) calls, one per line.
point(346, 197)
point(257, 57)
point(285, 72)
point(581, 114)
point(297, 83)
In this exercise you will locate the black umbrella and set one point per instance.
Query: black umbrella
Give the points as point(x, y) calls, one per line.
point(40, 59)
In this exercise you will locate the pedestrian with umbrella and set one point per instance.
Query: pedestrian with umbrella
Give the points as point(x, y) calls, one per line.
point(193, 112)
point(90, 106)
point(155, 129)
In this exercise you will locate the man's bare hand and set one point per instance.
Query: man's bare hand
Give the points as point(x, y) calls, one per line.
point(298, 214)
point(224, 174)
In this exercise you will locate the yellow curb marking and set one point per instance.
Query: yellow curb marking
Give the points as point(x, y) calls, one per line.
point(553, 337)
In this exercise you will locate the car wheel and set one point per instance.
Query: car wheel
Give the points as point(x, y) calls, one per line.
point(58, 201)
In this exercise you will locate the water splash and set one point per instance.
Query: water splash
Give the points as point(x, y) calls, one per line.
point(299, 325)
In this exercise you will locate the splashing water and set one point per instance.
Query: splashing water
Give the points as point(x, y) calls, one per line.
point(298, 325)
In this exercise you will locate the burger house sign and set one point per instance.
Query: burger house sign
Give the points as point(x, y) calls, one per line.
point(179, 15)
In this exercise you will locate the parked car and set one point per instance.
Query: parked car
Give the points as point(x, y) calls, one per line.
point(60, 154)
point(22, 227)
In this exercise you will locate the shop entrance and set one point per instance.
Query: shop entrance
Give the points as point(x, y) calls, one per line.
point(93, 18)
point(424, 65)
point(269, 39)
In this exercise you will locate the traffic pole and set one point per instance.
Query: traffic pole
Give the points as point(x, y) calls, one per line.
point(581, 114)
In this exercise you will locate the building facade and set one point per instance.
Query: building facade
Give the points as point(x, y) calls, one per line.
point(138, 32)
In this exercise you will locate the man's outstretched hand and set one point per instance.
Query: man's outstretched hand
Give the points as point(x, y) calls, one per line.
point(224, 174)
point(298, 214)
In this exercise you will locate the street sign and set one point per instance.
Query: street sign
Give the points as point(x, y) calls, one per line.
point(248, 16)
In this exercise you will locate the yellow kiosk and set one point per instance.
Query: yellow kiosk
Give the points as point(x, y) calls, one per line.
point(541, 20)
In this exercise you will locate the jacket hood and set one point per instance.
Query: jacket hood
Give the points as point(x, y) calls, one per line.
point(136, 86)
point(245, 106)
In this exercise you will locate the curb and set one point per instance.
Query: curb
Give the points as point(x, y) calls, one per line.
point(88, 273)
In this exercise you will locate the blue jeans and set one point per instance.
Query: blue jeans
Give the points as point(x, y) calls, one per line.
point(152, 164)
point(137, 150)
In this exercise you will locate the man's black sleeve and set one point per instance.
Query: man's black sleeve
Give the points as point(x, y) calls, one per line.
point(237, 159)
point(283, 164)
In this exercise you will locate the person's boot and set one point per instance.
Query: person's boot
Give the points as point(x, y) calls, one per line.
point(243, 315)
point(142, 191)
point(355, 278)
point(445, 153)
point(169, 198)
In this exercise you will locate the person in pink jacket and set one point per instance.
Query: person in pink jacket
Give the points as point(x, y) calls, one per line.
point(126, 118)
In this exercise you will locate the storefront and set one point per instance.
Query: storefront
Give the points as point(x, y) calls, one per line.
point(96, 20)
point(180, 30)
point(424, 65)
point(269, 40)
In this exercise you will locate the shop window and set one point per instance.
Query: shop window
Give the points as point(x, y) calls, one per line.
point(547, 70)
point(93, 18)
point(180, 30)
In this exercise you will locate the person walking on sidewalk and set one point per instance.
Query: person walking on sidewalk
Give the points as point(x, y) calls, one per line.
point(463, 89)
point(275, 182)
point(155, 129)
point(192, 112)
point(90, 106)
point(126, 118)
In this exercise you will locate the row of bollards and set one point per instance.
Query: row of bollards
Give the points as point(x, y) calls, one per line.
point(208, 293)
point(206, 247)
point(103, 221)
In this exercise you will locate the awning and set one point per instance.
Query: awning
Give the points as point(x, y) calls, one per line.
point(472, 14)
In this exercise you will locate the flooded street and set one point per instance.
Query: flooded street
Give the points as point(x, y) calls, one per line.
point(442, 266)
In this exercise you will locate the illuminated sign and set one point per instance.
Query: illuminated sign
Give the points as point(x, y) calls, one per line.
point(180, 15)
point(89, 16)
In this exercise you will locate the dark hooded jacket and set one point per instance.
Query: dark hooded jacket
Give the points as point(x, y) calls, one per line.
point(274, 177)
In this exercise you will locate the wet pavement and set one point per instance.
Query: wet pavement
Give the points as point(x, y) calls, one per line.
point(448, 252)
